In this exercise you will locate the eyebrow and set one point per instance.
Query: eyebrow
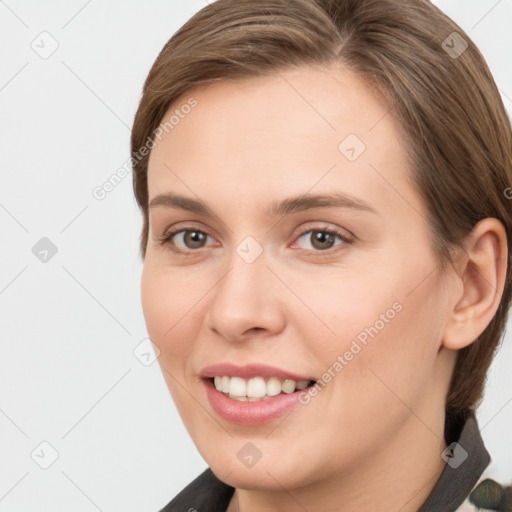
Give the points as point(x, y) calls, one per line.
point(290, 205)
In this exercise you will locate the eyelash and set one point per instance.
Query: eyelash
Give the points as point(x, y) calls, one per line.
point(166, 239)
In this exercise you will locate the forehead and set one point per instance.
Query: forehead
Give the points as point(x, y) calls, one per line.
point(284, 133)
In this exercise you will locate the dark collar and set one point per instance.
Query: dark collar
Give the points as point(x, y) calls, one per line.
point(466, 459)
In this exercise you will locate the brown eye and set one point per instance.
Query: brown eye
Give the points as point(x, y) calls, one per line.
point(194, 239)
point(321, 240)
point(181, 240)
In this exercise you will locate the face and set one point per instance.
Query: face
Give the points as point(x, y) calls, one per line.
point(301, 253)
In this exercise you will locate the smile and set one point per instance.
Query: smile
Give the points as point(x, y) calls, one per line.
point(252, 394)
point(256, 388)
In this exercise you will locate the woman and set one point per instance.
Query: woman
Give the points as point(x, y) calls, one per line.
point(325, 241)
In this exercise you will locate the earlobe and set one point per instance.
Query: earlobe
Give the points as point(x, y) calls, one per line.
point(481, 277)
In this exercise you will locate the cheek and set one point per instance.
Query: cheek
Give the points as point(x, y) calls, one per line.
point(374, 323)
point(398, 341)
point(168, 307)
point(158, 302)
point(169, 313)
point(343, 307)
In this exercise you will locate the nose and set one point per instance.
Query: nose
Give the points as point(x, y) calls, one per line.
point(246, 302)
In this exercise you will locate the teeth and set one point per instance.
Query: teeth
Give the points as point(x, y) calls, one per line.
point(255, 389)
point(274, 386)
point(289, 386)
point(237, 386)
point(302, 384)
point(225, 384)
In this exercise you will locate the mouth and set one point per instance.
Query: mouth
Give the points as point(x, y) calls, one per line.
point(257, 388)
point(253, 394)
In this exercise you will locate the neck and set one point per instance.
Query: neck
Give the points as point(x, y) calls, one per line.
point(400, 476)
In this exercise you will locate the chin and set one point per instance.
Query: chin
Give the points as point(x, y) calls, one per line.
point(271, 474)
point(254, 479)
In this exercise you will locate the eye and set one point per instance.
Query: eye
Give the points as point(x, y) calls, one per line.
point(323, 239)
point(183, 239)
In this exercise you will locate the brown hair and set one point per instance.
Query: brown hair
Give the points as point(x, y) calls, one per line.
point(456, 129)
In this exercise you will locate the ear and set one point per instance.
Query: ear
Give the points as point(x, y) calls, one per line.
point(481, 272)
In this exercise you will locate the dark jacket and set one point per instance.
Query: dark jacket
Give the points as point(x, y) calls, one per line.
point(466, 458)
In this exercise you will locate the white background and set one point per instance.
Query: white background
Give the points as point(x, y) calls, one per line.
point(69, 326)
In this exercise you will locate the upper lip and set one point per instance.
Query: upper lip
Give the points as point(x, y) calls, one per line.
point(250, 370)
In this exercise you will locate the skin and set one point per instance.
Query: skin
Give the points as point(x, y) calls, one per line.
point(378, 425)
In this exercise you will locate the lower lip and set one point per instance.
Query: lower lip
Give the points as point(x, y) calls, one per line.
point(250, 413)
